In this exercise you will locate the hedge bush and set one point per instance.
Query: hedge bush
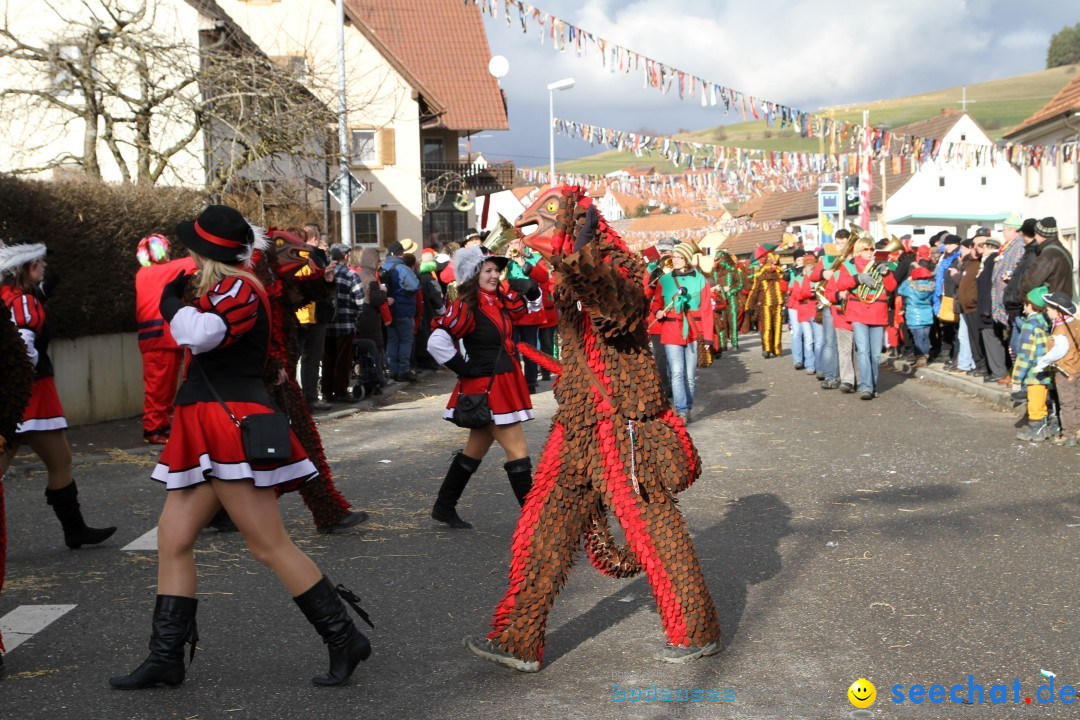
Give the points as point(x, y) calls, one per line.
point(92, 230)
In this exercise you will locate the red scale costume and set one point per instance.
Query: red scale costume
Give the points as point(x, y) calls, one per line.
point(615, 444)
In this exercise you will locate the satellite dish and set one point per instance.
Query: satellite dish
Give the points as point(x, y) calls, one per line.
point(498, 66)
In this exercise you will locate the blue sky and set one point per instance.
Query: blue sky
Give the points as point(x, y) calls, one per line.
point(803, 53)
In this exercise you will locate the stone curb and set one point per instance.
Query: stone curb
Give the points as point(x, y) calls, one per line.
point(990, 392)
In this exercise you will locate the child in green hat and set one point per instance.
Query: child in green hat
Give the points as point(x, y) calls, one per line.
point(1034, 342)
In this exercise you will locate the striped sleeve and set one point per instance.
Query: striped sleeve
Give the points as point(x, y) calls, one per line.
point(219, 318)
point(457, 322)
point(28, 313)
point(236, 303)
point(514, 304)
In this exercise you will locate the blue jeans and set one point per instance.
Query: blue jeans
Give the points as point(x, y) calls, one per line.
point(796, 336)
point(682, 364)
point(830, 360)
point(1014, 336)
point(964, 360)
point(812, 339)
point(921, 337)
point(868, 351)
point(399, 342)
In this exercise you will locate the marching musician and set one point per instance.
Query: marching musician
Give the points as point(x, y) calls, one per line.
point(869, 282)
point(653, 272)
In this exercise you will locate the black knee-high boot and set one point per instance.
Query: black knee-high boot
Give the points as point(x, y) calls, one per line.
point(65, 503)
point(520, 474)
point(173, 627)
point(461, 469)
point(324, 608)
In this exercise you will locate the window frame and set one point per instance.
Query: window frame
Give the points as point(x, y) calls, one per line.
point(355, 225)
point(361, 163)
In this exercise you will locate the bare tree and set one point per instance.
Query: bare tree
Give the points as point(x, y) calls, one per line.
point(155, 102)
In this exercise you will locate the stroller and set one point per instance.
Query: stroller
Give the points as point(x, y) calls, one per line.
point(366, 375)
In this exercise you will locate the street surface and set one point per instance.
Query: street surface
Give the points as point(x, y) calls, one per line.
point(906, 540)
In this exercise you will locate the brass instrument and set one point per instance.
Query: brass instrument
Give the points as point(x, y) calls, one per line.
point(872, 293)
point(667, 264)
point(819, 286)
point(500, 237)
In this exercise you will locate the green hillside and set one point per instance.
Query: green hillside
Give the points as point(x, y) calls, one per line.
point(996, 105)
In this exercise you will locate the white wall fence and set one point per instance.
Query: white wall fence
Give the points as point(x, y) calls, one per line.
point(99, 377)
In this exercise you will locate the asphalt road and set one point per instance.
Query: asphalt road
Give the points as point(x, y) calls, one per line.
point(906, 540)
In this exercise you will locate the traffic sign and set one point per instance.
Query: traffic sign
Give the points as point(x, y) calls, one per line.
point(346, 188)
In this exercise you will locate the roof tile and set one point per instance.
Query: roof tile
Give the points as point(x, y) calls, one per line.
point(1067, 99)
point(443, 43)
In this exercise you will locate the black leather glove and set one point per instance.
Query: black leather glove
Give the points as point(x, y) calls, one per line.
point(588, 229)
point(461, 367)
point(172, 296)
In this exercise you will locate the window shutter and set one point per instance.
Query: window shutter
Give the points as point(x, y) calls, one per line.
point(387, 151)
point(389, 226)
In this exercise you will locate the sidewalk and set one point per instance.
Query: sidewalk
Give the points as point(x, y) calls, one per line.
point(990, 392)
point(100, 442)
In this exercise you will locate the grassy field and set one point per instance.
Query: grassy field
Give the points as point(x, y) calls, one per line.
point(997, 105)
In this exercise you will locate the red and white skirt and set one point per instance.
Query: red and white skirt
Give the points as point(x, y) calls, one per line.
point(44, 411)
point(205, 444)
point(509, 397)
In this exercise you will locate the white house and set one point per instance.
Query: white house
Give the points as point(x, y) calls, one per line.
point(1050, 186)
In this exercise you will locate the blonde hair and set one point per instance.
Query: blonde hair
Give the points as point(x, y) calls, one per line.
point(863, 244)
point(211, 272)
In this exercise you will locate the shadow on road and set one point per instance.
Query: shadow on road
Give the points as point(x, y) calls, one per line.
point(741, 550)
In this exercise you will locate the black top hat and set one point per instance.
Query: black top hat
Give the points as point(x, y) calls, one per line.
point(1062, 302)
point(220, 233)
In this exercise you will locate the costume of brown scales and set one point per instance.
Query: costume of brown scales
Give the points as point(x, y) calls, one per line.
point(287, 293)
point(615, 445)
point(18, 377)
point(766, 304)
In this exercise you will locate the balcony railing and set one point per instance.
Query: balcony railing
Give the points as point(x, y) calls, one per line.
point(482, 180)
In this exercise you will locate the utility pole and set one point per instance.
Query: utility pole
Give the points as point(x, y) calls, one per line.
point(343, 133)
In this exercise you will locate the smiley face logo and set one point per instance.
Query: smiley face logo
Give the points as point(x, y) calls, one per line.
point(862, 693)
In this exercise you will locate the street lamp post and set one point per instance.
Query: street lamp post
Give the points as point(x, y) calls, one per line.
point(343, 132)
point(564, 84)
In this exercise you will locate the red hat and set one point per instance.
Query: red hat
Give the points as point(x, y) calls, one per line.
point(920, 273)
point(922, 252)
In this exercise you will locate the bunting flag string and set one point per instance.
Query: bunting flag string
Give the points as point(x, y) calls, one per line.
point(617, 59)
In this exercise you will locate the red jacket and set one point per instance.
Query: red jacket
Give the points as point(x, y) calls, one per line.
point(875, 313)
point(840, 321)
point(671, 327)
point(149, 282)
point(540, 275)
point(804, 291)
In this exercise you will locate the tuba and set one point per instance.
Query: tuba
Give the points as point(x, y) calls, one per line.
point(500, 236)
point(867, 293)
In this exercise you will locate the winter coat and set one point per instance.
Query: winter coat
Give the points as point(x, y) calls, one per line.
point(1053, 267)
point(941, 274)
point(984, 311)
point(967, 292)
point(1014, 301)
point(918, 301)
point(402, 284)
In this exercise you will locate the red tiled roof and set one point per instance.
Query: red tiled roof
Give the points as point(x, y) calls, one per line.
point(629, 203)
point(443, 44)
point(743, 243)
point(661, 223)
point(1066, 101)
point(936, 127)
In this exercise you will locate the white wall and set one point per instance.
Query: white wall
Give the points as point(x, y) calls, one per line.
point(503, 202)
point(378, 97)
point(1052, 189)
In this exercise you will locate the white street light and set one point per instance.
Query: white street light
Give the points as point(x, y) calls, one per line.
point(564, 84)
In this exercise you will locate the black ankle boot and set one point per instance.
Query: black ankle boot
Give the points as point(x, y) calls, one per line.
point(520, 474)
point(324, 608)
point(65, 503)
point(173, 626)
point(461, 469)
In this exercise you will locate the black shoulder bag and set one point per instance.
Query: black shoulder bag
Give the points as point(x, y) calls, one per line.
point(265, 436)
point(474, 411)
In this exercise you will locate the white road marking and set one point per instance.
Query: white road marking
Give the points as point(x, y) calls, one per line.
point(147, 541)
point(25, 621)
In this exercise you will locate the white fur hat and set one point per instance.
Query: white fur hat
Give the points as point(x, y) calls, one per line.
point(15, 255)
point(467, 263)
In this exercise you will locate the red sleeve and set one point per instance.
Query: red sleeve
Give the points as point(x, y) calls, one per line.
point(706, 310)
point(28, 312)
point(889, 281)
point(514, 304)
point(236, 302)
point(657, 303)
point(539, 273)
point(815, 274)
point(385, 314)
point(844, 279)
point(458, 320)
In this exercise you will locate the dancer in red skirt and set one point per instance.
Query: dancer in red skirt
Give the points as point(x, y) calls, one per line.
point(481, 319)
point(22, 269)
point(204, 466)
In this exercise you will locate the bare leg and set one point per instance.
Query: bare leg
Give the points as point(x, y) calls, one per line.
point(255, 512)
point(512, 439)
point(52, 447)
point(185, 514)
point(480, 440)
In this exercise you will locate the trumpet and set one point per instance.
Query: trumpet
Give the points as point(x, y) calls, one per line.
point(819, 286)
point(666, 264)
